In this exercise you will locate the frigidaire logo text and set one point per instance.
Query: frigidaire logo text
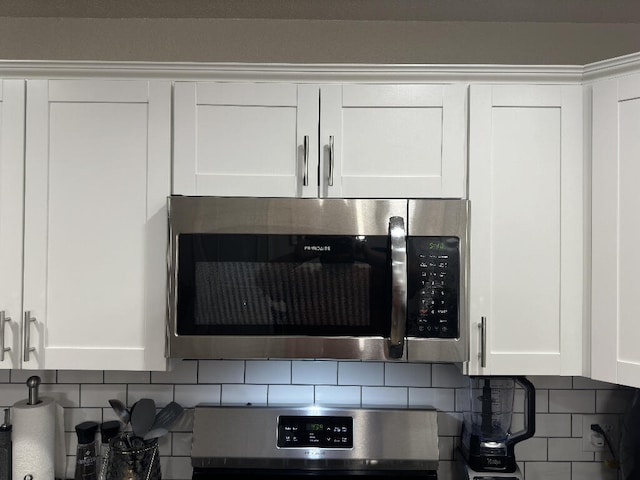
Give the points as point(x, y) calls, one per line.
point(317, 248)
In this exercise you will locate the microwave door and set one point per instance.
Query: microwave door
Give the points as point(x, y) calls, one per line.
point(398, 242)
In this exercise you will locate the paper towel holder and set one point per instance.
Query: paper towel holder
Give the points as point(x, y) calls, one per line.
point(33, 383)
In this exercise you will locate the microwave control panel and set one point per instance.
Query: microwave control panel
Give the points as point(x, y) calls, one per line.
point(315, 431)
point(433, 286)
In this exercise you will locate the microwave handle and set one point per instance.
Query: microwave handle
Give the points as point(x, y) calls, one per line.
point(397, 234)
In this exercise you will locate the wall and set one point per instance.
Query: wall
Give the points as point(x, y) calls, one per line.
point(553, 454)
point(314, 41)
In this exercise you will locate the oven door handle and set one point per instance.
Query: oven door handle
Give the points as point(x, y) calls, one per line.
point(398, 237)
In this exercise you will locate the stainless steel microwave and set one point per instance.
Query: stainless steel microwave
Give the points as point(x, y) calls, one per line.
point(368, 279)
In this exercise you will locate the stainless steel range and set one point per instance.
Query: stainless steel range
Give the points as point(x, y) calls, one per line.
point(302, 441)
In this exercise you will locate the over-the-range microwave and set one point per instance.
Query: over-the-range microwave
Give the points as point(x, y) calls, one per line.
point(368, 279)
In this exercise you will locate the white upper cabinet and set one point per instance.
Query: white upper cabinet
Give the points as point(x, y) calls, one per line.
point(11, 202)
point(302, 140)
point(615, 309)
point(526, 236)
point(97, 176)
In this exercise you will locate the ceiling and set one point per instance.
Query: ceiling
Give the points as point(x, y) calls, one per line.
point(571, 11)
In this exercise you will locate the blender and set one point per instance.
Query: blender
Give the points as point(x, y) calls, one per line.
point(487, 442)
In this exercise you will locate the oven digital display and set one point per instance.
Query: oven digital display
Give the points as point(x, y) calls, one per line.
point(315, 431)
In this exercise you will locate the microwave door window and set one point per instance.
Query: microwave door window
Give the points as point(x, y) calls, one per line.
point(283, 285)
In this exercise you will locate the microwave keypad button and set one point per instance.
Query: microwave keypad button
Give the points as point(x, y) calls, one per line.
point(433, 311)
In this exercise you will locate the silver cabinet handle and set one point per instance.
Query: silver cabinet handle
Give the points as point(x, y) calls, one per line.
point(331, 160)
point(26, 335)
point(305, 175)
point(483, 342)
point(3, 320)
point(397, 235)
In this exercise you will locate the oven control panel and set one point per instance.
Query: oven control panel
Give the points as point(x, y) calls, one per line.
point(315, 431)
point(433, 265)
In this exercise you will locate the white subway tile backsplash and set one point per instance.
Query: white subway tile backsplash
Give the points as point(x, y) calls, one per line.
point(164, 445)
point(330, 395)
point(181, 444)
point(542, 401)
point(178, 468)
point(549, 382)
point(221, 371)
point(191, 395)
point(407, 374)
point(592, 471)
point(75, 416)
point(572, 401)
point(11, 393)
point(21, 376)
point(65, 395)
point(554, 453)
point(361, 373)
point(445, 448)
point(462, 400)
point(314, 372)
point(244, 394)
point(384, 396)
point(185, 371)
point(99, 395)
point(290, 395)
point(439, 398)
point(547, 471)
point(586, 383)
point(449, 424)
point(268, 371)
point(532, 449)
point(80, 376)
point(613, 401)
point(568, 449)
point(160, 394)
point(120, 376)
point(553, 425)
point(448, 375)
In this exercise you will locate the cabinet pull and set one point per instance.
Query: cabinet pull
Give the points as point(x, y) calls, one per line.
point(26, 332)
point(331, 159)
point(305, 176)
point(3, 320)
point(483, 342)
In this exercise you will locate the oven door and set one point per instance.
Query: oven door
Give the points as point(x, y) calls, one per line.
point(311, 278)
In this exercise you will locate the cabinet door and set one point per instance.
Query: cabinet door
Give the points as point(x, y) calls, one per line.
point(392, 141)
point(96, 180)
point(615, 310)
point(246, 139)
point(11, 203)
point(526, 235)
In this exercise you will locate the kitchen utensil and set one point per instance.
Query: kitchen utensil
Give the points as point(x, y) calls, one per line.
point(164, 419)
point(131, 458)
point(121, 411)
point(143, 415)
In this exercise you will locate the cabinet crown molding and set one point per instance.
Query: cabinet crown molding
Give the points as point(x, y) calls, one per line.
point(299, 73)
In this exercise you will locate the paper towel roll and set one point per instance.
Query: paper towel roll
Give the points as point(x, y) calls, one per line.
point(34, 439)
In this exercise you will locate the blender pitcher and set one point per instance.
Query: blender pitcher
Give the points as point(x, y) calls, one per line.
point(487, 441)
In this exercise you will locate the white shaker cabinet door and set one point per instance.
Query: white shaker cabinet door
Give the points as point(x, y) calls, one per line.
point(615, 306)
point(11, 204)
point(526, 234)
point(245, 139)
point(393, 140)
point(96, 181)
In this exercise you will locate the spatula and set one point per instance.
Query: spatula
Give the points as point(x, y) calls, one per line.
point(143, 414)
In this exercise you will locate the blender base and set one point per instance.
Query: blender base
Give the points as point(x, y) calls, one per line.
point(473, 475)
